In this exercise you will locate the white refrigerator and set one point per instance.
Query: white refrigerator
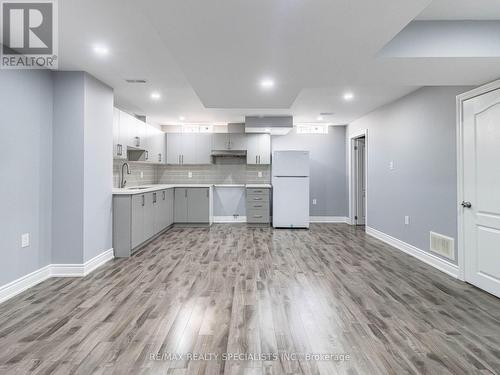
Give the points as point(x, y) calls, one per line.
point(290, 171)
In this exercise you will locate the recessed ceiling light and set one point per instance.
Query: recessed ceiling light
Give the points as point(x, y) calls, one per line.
point(267, 83)
point(319, 118)
point(348, 96)
point(155, 96)
point(182, 118)
point(101, 50)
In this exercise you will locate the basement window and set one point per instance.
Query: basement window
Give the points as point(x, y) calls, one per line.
point(197, 128)
point(312, 129)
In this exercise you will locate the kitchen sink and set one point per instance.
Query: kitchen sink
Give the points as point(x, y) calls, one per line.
point(138, 188)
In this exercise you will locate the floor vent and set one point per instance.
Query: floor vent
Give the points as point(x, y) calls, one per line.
point(442, 245)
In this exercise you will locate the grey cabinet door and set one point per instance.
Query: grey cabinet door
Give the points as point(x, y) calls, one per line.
point(198, 207)
point(188, 153)
point(237, 141)
point(149, 215)
point(264, 149)
point(253, 150)
point(174, 146)
point(137, 221)
point(180, 205)
point(169, 207)
point(220, 141)
point(204, 149)
point(159, 211)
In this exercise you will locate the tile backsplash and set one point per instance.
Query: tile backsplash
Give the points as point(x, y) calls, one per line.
point(224, 171)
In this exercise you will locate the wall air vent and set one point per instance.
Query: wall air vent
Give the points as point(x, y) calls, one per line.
point(442, 245)
point(136, 80)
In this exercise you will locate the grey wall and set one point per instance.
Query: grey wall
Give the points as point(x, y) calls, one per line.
point(25, 172)
point(98, 167)
point(328, 183)
point(68, 163)
point(417, 133)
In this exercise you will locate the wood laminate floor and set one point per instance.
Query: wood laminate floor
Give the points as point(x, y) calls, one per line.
point(287, 302)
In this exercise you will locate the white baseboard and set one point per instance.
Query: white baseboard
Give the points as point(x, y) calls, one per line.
point(432, 260)
point(329, 219)
point(53, 270)
point(20, 285)
point(80, 270)
point(230, 219)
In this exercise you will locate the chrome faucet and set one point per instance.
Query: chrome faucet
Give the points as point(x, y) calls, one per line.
point(123, 182)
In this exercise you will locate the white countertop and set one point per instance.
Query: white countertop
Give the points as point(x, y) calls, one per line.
point(259, 186)
point(149, 188)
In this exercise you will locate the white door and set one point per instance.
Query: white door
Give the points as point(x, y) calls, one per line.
point(481, 191)
point(359, 148)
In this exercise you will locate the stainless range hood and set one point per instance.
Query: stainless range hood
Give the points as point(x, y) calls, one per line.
point(229, 153)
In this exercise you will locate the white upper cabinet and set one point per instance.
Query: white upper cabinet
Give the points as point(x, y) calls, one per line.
point(258, 149)
point(130, 133)
point(229, 141)
point(189, 148)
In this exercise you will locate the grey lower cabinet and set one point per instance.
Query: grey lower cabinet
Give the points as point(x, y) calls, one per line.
point(192, 205)
point(258, 205)
point(138, 218)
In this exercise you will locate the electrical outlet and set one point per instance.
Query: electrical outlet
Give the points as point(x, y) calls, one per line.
point(25, 240)
point(259, 173)
point(142, 174)
point(314, 201)
point(190, 174)
point(407, 220)
point(391, 165)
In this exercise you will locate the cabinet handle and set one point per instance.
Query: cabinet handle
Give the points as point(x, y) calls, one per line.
point(179, 159)
point(257, 199)
point(147, 155)
point(186, 193)
point(257, 216)
point(257, 205)
point(137, 141)
point(118, 150)
point(259, 159)
point(163, 194)
point(143, 200)
point(207, 193)
point(159, 158)
point(182, 159)
point(154, 197)
point(256, 159)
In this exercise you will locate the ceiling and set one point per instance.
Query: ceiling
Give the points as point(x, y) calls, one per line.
point(207, 58)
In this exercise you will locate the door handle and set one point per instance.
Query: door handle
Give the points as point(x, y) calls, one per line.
point(147, 155)
point(256, 162)
point(466, 204)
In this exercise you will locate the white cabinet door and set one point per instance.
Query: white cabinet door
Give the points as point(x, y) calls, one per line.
point(204, 149)
point(253, 148)
point(119, 146)
point(174, 147)
point(264, 149)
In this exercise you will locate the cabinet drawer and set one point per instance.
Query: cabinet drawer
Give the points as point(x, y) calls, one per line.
point(257, 198)
point(257, 191)
point(258, 216)
point(253, 205)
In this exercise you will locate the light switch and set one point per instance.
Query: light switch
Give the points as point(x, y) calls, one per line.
point(314, 201)
point(190, 174)
point(142, 174)
point(259, 173)
point(25, 240)
point(407, 220)
point(391, 165)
